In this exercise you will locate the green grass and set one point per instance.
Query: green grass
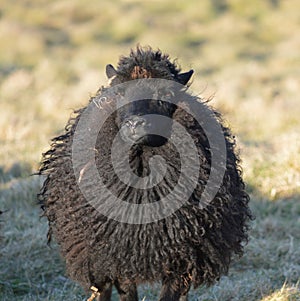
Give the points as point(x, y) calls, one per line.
point(52, 58)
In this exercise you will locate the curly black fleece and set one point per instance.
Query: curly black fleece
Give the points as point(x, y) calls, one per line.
point(194, 245)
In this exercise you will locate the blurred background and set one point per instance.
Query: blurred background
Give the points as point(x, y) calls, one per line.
point(246, 54)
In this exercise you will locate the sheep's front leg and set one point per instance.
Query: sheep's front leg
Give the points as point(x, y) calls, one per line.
point(127, 291)
point(174, 290)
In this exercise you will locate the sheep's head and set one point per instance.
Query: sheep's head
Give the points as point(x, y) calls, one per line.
point(146, 100)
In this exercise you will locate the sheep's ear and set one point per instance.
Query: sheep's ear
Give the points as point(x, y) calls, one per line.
point(110, 71)
point(183, 78)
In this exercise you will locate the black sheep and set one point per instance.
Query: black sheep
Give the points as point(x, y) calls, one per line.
point(192, 246)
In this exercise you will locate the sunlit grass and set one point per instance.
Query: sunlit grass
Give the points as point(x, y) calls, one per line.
point(286, 293)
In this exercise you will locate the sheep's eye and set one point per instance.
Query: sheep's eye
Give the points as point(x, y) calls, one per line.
point(164, 94)
point(169, 94)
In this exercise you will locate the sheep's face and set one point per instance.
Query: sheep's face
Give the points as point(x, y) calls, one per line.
point(140, 123)
point(146, 108)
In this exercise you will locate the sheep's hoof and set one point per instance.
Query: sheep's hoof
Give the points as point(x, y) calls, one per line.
point(95, 294)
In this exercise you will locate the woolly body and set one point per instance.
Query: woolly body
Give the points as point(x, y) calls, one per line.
point(194, 245)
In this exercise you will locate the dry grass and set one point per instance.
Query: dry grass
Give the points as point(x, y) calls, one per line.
point(52, 57)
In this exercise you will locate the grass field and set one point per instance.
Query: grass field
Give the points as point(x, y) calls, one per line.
point(245, 53)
